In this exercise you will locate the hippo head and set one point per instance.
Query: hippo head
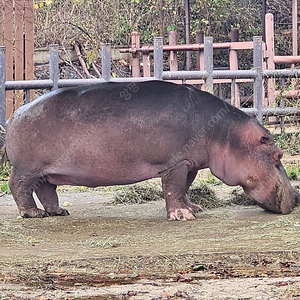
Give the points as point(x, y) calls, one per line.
point(251, 159)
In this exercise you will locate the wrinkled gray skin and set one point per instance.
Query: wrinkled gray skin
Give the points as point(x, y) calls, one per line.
point(95, 136)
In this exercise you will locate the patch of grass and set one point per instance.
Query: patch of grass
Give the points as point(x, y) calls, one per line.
point(5, 171)
point(211, 179)
point(293, 172)
point(240, 198)
point(138, 193)
point(4, 188)
point(204, 196)
point(289, 142)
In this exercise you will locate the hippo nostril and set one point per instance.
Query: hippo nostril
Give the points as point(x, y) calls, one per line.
point(278, 155)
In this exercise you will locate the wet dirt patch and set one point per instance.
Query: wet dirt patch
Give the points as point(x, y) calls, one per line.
point(133, 252)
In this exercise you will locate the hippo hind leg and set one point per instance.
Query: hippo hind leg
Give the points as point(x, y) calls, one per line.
point(175, 182)
point(22, 190)
point(46, 192)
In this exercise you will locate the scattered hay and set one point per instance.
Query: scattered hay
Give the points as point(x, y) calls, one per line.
point(137, 194)
point(240, 198)
point(199, 194)
point(204, 196)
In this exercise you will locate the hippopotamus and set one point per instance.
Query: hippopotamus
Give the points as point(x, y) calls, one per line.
point(122, 133)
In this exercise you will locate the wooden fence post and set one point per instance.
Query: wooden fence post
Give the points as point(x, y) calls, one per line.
point(2, 85)
point(173, 54)
point(8, 42)
point(234, 65)
point(146, 64)
point(19, 50)
point(18, 33)
point(135, 44)
point(29, 42)
point(200, 53)
point(270, 58)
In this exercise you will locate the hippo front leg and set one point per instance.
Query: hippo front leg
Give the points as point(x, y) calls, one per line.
point(175, 183)
point(22, 190)
point(46, 192)
point(190, 178)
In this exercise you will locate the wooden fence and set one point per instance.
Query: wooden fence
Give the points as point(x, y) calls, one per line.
point(16, 64)
point(17, 34)
point(270, 59)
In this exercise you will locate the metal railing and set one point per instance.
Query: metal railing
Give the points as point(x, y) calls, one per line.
point(257, 74)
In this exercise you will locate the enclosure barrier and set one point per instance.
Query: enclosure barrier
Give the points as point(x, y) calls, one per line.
point(269, 56)
point(208, 74)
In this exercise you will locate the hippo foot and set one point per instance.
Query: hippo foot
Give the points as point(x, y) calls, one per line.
point(59, 212)
point(181, 214)
point(194, 208)
point(34, 213)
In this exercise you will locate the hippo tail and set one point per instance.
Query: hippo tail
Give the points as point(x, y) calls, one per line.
point(4, 158)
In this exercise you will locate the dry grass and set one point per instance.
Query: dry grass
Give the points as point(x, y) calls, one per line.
point(240, 198)
point(138, 193)
point(199, 194)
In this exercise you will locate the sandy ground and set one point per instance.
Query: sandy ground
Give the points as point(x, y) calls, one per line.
point(105, 251)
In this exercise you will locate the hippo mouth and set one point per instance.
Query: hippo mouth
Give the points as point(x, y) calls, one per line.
point(288, 202)
point(281, 201)
point(285, 201)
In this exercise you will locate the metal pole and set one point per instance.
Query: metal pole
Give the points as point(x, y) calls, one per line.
point(54, 65)
point(209, 63)
point(258, 80)
point(282, 127)
point(158, 57)
point(106, 62)
point(233, 93)
point(27, 96)
point(2, 86)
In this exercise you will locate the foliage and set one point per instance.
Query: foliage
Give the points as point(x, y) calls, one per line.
point(289, 142)
point(4, 188)
point(4, 175)
point(5, 171)
point(211, 179)
point(293, 172)
point(97, 22)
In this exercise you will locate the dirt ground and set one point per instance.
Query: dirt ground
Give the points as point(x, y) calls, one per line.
point(105, 251)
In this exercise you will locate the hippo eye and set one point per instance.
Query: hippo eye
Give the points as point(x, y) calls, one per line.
point(264, 140)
